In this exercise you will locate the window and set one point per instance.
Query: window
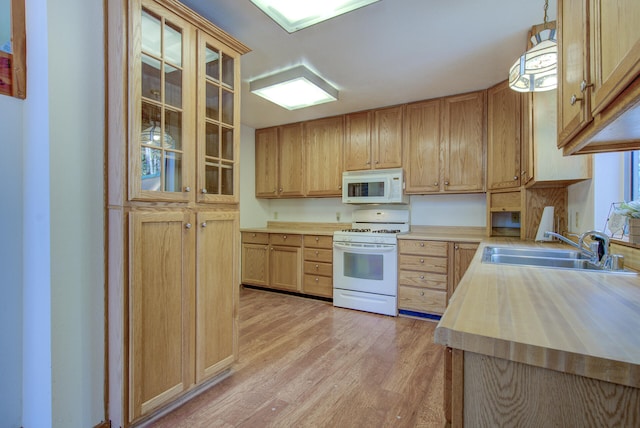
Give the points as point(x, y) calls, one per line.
point(632, 176)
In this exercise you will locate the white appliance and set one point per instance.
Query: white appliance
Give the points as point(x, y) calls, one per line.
point(378, 186)
point(365, 261)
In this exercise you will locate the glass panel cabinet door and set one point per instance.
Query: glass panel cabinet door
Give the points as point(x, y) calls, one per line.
point(161, 141)
point(218, 131)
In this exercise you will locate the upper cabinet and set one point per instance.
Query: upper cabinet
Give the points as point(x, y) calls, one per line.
point(279, 161)
point(373, 139)
point(422, 147)
point(598, 84)
point(323, 141)
point(184, 130)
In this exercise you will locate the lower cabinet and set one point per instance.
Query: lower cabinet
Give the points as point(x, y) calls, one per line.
point(181, 304)
point(318, 265)
point(289, 262)
point(429, 271)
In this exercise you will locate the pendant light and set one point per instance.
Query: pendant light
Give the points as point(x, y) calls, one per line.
point(536, 70)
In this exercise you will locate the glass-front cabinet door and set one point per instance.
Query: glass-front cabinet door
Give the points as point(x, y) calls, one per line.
point(163, 132)
point(218, 128)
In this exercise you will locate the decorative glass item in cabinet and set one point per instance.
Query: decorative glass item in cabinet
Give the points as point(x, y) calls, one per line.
point(161, 108)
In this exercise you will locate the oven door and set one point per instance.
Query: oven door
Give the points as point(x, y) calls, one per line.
point(370, 268)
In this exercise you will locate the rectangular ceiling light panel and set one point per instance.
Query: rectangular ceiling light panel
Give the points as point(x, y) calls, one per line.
point(294, 88)
point(294, 15)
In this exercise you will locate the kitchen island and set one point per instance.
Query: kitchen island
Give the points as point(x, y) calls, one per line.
point(542, 346)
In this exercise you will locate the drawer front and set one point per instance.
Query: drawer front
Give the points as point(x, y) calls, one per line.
point(318, 285)
point(285, 239)
point(424, 263)
point(318, 255)
point(318, 241)
point(426, 248)
point(255, 238)
point(413, 278)
point(422, 299)
point(313, 268)
point(509, 201)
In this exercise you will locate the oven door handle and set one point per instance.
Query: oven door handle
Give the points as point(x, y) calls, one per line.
point(379, 248)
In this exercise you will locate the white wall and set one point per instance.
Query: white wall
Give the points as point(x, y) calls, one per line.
point(11, 262)
point(63, 374)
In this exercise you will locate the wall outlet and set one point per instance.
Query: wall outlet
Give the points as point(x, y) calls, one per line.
point(338, 216)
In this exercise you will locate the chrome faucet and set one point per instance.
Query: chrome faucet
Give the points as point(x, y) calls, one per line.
point(593, 252)
point(579, 245)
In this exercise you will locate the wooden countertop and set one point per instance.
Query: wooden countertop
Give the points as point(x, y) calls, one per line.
point(300, 228)
point(446, 233)
point(584, 323)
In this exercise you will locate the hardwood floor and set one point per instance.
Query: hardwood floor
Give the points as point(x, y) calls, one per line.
point(304, 363)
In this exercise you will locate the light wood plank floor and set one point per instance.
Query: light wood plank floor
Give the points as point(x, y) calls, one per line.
point(304, 363)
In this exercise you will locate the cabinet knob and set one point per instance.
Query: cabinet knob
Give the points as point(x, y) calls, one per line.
point(377, 162)
point(203, 191)
point(456, 247)
point(187, 189)
point(317, 252)
point(317, 267)
point(574, 99)
point(421, 260)
point(446, 183)
point(421, 276)
point(203, 224)
point(253, 234)
point(515, 178)
point(317, 279)
point(280, 190)
point(367, 163)
point(284, 236)
point(435, 184)
point(584, 85)
point(317, 239)
point(422, 244)
point(339, 187)
point(187, 226)
point(422, 293)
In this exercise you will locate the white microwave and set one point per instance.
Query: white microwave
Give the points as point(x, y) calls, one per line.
point(378, 186)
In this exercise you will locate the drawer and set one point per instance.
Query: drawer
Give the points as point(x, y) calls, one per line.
point(255, 238)
point(318, 285)
point(508, 201)
point(318, 241)
point(313, 268)
point(422, 299)
point(424, 263)
point(426, 248)
point(285, 239)
point(414, 278)
point(318, 255)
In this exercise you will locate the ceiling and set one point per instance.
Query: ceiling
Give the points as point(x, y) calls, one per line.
point(390, 52)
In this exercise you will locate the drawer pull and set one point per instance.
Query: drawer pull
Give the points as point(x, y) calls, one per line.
point(422, 244)
point(284, 237)
point(317, 239)
point(317, 252)
point(421, 260)
point(317, 267)
point(253, 234)
point(422, 293)
point(421, 276)
point(317, 279)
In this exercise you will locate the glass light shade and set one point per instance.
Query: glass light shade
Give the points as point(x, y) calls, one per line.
point(152, 136)
point(294, 15)
point(536, 70)
point(294, 88)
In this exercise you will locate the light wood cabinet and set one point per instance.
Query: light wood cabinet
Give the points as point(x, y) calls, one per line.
point(373, 139)
point(279, 161)
point(423, 275)
point(318, 265)
point(323, 142)
point(504, 120)
point(255, 258)
point(285, 262)
point(172, 194)
point(463, 253)
point(464, 141)
point(598, 85)
point(422, 154)
point(447, 156)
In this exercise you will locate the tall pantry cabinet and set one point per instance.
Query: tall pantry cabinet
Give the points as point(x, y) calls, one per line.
point(172, 204)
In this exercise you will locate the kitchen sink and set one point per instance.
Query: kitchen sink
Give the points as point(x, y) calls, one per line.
point(544, 257)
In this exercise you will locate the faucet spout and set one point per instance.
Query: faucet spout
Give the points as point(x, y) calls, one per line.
point(579, 245)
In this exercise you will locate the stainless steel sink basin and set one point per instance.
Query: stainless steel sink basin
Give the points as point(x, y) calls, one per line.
point(543, 257)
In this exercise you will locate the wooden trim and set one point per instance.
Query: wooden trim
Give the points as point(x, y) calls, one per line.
point(103, 424)
point(457, 388)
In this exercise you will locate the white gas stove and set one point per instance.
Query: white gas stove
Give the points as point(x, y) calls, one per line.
point(365, 260)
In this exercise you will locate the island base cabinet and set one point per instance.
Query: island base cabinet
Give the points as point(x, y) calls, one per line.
point(498, 392)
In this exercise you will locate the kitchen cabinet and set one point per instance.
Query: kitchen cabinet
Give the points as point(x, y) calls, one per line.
point(318, 265)
point(172, 194)
point(323, 144)
point(447, 156)
point(422, 147)
point(423, 275)
point(373, 139)
point(279, 162)
point(463, 253)
point(598, 85)
point(504, 118)
point(255, 258)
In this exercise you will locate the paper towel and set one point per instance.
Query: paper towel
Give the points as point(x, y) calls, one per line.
point(546, 224)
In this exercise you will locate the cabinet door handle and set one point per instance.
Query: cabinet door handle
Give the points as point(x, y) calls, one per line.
point(187, 226)
point(435, 184)
point(446, 183)
point(317, 239)
point(204, 224)
point(187, 189)
point(203, 191)
point(421, 276)
point(280, 190)
point(515, 178)
point(584, 85)
point(422, 293)
point(284, 237)
point(422, 244)
point(317, 252)
point(421, 260)
point(574, 99)
point(317, 267)
point(317, 279)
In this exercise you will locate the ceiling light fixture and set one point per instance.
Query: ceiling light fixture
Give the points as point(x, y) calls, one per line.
point(536, 70)
point(296, 15)
point(294, 88)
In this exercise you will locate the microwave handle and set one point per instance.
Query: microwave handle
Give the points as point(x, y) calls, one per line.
point(381, 248)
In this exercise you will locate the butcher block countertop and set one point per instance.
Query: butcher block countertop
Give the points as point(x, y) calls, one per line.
point(583, 323)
